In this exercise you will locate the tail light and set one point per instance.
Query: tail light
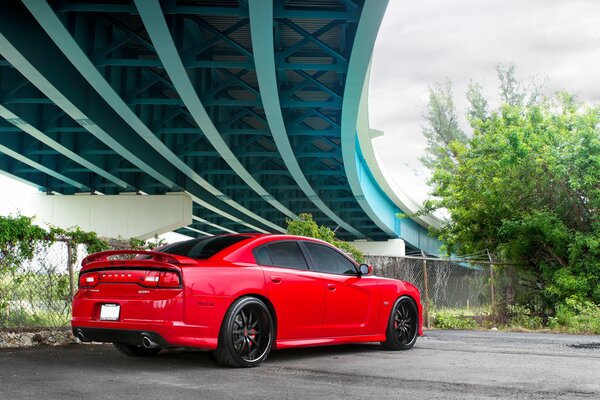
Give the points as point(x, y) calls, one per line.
point(154, 279)
point(88, 280)
point(169, 280)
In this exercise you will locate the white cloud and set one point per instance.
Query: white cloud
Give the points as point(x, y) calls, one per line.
point(423, 42)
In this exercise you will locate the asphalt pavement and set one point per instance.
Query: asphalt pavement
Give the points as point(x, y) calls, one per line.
point(442, 365)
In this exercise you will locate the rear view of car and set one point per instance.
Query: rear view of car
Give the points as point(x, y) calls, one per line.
point(139, 304)
point(132, 303)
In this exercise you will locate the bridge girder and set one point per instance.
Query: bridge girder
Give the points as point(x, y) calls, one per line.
point(240, 104)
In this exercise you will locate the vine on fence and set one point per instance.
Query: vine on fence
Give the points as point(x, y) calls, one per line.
point(20, 237)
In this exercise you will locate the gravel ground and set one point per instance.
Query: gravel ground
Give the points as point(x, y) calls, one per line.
point(35, 337)
point(443, 365)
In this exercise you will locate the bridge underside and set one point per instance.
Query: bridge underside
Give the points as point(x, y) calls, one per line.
point(238, 103)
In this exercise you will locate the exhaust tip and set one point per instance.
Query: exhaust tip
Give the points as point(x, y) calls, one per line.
point(79, 335)
point(148, 343)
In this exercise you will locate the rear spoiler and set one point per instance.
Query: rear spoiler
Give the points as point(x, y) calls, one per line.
point(154, 255)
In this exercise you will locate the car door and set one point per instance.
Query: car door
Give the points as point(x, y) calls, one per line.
point(297, 293)
point(350, 300)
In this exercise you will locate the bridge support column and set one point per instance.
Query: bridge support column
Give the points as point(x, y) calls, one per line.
point(125, 215)
point(389, 248)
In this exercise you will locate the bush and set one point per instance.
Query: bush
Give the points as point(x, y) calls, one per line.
point(520, 317)
point(306, 226)
point(576, 316)
point(447, 319)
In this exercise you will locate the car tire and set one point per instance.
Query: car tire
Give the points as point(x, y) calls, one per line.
point(246, 334)
point(403, 325)
point(135, 351)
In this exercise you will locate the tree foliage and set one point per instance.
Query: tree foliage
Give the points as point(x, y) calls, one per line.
point(527, 187)
point(306, 226)
point(20, 238)
point(441, 129)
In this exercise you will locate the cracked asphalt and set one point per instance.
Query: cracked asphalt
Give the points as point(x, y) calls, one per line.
point(442, 365)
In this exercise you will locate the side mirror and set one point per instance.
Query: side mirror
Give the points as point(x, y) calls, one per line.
point(364, 269)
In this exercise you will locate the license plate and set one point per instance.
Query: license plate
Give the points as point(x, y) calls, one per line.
point(110, 312)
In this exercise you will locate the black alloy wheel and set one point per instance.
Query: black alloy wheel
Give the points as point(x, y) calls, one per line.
point(246, 335)
point(403, 325)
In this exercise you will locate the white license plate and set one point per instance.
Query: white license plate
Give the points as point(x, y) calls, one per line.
point(110, 312)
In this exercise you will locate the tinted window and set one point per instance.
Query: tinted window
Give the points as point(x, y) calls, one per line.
point(287, 255)
point(202, 248)
point(262, 256)
point(329, 260)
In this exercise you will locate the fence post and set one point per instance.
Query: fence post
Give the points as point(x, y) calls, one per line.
point(492, 291)
point(70, 265)
point(425, 291)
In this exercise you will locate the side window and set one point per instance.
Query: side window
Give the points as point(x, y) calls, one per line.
point(287, 255)
point(262, 256)
point(329, 260)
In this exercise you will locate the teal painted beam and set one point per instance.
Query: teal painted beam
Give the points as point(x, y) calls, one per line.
point(203, 233)
point(261, 26)
point(217, 226)
point(39, 135)
point(63, 39)
point(231, 217)
point(173, 8)
point(21, 180)
point(26, 46)
point(42, 168)
point(69, 94)
point(356, 79)
point(157, 29)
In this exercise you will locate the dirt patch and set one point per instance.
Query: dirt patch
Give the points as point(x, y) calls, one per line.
point(35, 337)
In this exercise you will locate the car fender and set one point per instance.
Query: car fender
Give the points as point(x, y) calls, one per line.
point(391, 290)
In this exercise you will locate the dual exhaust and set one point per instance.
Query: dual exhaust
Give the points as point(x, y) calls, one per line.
point(79, 335)
point(147, 341)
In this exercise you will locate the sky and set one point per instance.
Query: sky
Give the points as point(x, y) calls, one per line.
point(426, 41)
point(555, 42)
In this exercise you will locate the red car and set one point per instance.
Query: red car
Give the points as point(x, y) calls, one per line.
point(241, 295)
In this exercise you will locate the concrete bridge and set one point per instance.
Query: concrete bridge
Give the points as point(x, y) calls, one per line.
point(204, 117)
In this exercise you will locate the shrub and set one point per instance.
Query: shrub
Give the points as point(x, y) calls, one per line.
point(577, 316)
point(446, 319)
point(306, 226)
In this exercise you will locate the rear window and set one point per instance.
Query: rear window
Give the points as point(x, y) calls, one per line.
point(202, 248)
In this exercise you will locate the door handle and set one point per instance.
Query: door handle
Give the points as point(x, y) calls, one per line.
point(331, 287)
point(275, 279)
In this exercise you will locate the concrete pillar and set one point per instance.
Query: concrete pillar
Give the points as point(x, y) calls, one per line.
point(125, 215)
point(389, 248)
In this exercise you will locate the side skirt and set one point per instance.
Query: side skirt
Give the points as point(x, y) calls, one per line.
point(291, 343)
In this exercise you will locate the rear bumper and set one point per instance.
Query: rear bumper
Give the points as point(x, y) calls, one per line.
point(166, 335)
point(132, 337)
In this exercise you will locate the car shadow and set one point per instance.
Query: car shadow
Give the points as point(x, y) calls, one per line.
point(201, 358)
point(323, 351)
point(103, 356)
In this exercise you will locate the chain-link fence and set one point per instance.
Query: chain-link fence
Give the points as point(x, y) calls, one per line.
point(443, 283)
point(38, 293)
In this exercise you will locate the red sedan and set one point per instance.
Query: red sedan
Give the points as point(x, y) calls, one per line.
point(241, 296)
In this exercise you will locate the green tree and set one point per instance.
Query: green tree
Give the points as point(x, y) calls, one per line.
point(527, 187)
point(441, 127)
point(478, 105)
point(306, 226)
